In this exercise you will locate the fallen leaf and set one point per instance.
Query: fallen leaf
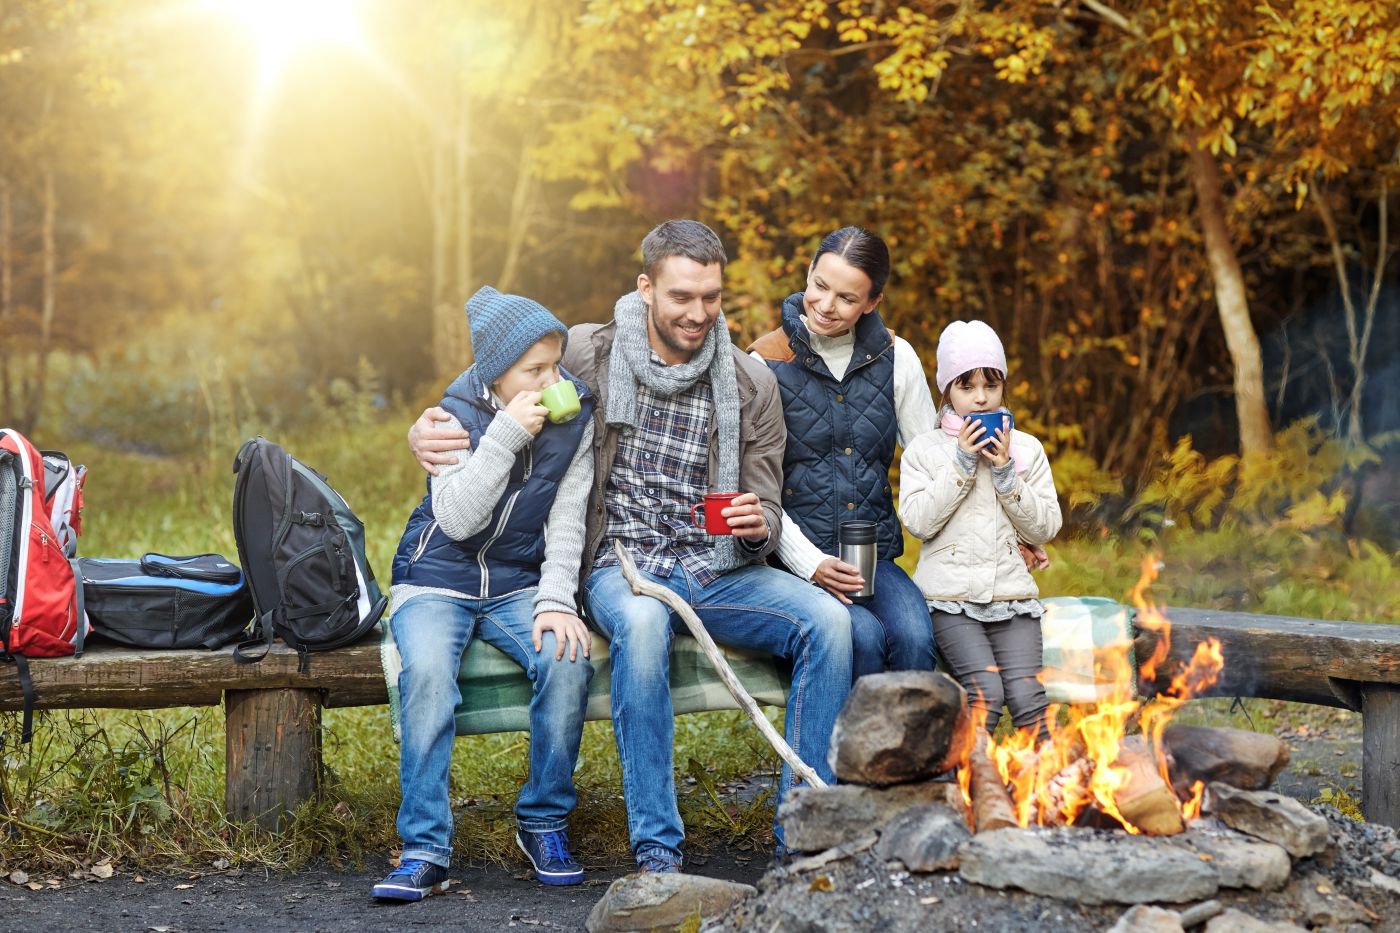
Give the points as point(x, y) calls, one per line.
point(221, 864)
point(138, 880)
point(159, 929)
point(183, 887)
point(53, 882)
point(1324, 887)
point(18, 877)
point(930, 900)
point(102, 870)
point(822, 883)
point(34, 886)
point(1207, 857)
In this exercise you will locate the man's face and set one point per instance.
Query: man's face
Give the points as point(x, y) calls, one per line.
point(682, 304)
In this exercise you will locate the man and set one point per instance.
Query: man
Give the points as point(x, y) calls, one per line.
point(681, 412)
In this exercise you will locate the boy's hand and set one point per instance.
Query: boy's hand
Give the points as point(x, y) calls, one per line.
point(838, 578)
point(745, 516)
point(568, 629)
point(526, 409)
point(997, 449)
point(428, 441)
point(970, 437)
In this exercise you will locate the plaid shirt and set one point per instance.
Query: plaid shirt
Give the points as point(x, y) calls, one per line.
point(661, 470)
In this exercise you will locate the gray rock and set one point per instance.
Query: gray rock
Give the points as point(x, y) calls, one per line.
point(1242, 861)
point(1237, 921)
point(1080, 865)
point(818, 818)
point(645, 902)
point(1323, 905)
point(1145, 919)
point(1385, 882)
point(1238, 757)
point(900, 727)
point(1272, 817)
point(925, 838)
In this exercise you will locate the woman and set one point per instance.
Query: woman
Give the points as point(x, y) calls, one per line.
point(851, 390)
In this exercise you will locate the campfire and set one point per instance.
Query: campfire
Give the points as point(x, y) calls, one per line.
point(1092, 771)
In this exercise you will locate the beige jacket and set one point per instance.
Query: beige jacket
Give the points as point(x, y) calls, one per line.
point(762, 435)
point(969, 531)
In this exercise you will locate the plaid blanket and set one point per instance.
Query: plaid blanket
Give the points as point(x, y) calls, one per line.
point(496, 694)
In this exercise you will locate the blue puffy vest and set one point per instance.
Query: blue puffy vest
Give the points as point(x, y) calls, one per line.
point(506, 555)
point(841, 434)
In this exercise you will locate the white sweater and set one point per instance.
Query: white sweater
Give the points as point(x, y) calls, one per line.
point(914, 414)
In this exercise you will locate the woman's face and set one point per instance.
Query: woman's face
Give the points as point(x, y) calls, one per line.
point(977, 394)
point(837, 295)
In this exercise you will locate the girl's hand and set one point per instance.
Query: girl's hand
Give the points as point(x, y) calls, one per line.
point(526, 409)
point(997, 449)
point(838, 578)
point(970, 437)
point(568, 630)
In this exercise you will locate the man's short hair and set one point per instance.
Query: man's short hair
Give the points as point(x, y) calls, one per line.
point(688, 238)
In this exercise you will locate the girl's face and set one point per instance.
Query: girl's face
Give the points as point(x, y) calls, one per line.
point(837, 295)
point(973, 392)
point(536, 370)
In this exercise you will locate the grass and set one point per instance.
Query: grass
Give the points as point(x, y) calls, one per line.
point(147, 787)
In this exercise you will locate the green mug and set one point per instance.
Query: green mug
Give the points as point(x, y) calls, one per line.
point(562, 401)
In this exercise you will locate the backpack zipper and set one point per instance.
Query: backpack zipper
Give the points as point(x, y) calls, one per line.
point(19, 556)
point(501, 524)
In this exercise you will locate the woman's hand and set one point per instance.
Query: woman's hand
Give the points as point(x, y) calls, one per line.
point(568, 630)
point(838, 578)
point(970, 437)
point(526, 409)
point(997, 448)
point(430, 443)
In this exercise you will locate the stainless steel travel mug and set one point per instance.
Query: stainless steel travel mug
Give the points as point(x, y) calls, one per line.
point(857, 541)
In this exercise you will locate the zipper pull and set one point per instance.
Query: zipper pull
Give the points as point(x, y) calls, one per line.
point(44, 545)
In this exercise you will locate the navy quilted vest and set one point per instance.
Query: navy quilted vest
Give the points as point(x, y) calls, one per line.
point(841, 434)
point(506, 555)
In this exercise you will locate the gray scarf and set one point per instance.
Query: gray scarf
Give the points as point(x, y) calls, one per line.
point(631, 363)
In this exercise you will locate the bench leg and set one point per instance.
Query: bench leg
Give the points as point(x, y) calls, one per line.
point(1380, 754)
point(274, 753)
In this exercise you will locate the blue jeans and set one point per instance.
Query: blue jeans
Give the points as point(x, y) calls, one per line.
point(433, 631)
point(891, 631)
point(753, 607)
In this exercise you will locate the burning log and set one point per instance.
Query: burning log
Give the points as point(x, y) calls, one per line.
point(1068, 792)
point(1144, 799)
point(991, 804)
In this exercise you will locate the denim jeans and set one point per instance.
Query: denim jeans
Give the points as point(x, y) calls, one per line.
point(433, 631)
point(891, 631)
point(753, 607)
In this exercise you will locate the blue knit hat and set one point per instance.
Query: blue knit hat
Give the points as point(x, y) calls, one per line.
point(504, 327)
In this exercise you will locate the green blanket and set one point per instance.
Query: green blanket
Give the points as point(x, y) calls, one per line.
point(496, 693)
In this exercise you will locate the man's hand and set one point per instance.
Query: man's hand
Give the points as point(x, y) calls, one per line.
point(745, 517)
point(1035, 557)
point(568, 629)
point(838, 578)
point(526, 409)
point(428, 440)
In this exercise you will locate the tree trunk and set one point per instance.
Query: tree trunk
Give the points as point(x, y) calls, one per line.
point(34, 391)
point(7, 293)
point(1256, 434)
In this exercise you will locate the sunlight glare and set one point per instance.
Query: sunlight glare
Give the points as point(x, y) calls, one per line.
point(281, 27)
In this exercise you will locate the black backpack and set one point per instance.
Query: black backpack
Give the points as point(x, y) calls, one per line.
point(161, 601)
point(303, 552)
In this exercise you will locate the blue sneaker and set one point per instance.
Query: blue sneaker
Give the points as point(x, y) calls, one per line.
point(549, 854)
point(413, 880)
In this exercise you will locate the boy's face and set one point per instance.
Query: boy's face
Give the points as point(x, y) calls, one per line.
point(536, 370)
point(973, 392)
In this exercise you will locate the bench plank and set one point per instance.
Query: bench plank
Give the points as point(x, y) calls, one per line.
point(113, 677)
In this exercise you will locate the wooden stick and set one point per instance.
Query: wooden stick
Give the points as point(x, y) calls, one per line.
point(991, 804)
point(644, 587)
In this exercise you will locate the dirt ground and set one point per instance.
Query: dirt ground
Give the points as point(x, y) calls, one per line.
point(1325, 750)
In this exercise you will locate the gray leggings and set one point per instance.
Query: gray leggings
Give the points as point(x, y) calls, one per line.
point(996, 663)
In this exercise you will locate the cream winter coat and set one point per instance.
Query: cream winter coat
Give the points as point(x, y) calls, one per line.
point(969, 531)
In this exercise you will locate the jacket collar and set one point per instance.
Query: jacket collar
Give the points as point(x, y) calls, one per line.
point(602, 340)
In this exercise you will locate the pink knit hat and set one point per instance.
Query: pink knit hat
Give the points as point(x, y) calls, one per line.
point(965, 346)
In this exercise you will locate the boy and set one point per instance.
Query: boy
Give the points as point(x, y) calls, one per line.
point(493, 551)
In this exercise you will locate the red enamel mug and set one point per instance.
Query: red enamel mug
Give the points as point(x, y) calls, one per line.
point(711, 517)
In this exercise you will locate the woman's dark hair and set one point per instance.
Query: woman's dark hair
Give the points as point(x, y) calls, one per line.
point(863, 250)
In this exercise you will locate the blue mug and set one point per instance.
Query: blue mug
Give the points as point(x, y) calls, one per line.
point(991, 422)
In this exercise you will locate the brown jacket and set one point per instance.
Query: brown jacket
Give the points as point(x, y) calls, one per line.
point(762, 434)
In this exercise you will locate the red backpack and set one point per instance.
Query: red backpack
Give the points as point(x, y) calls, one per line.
point(41, 609)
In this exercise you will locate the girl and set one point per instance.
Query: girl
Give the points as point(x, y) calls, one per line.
point(970, 498)
point(850, 391)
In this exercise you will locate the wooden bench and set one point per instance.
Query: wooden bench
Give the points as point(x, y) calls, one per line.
point(273, 713)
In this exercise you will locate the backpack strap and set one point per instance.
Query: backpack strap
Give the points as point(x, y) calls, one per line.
point(26, 686)
point(82, 612)
point(264, 625)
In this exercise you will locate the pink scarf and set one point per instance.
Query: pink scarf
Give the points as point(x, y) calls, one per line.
point(952, 425)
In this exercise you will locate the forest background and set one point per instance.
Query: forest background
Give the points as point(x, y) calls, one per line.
point(220, 219)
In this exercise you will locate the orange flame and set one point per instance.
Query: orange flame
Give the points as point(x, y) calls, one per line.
point(1055, 781)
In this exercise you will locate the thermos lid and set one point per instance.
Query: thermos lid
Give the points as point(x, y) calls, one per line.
point(857, 532)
